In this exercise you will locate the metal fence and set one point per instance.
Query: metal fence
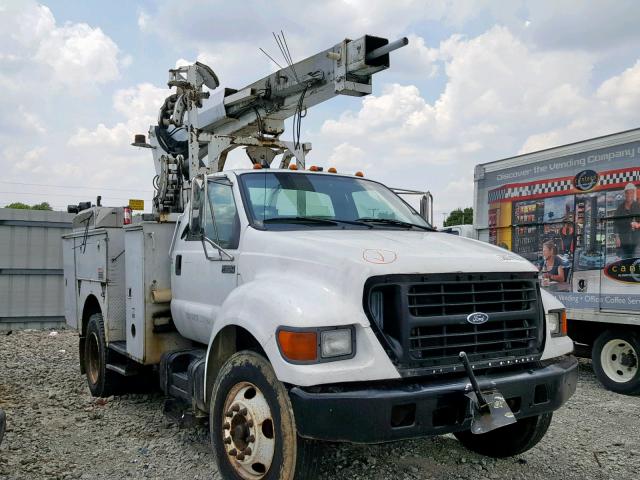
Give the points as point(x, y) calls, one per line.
point(31, 279)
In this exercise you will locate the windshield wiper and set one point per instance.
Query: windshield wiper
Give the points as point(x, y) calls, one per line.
point(300, 219)
point(392, 221)
point(320, 220)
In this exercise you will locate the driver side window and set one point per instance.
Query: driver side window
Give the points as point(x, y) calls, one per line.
point(222, 224)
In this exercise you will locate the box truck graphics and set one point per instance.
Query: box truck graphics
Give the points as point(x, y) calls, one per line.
point(574, 212)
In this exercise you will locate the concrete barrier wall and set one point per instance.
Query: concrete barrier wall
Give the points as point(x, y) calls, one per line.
point(31, 280)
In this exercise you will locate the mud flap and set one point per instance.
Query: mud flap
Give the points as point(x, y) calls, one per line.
point(489, 409)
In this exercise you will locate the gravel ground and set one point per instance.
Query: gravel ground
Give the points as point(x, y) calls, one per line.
point(55, 429)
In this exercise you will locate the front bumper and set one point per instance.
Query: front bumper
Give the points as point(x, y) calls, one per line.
point(395, 410)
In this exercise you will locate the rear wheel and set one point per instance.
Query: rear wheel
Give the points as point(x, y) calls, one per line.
point(615, 357)
point(102, 382)
point(252, 426)
point(510, 440)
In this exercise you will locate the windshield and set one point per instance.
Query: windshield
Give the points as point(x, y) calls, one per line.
point(311, 200)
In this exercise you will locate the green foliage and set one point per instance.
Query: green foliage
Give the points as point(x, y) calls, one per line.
point(24, 206)
point(459, 217)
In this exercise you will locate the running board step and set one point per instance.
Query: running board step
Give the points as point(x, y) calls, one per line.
point(119, 347)
point(126, 370)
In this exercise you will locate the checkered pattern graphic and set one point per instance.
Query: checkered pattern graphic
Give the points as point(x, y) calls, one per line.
point(559, 186)
point(619, 177)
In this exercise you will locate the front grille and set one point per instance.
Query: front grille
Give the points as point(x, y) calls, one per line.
point(427, 326)
point(465, 297)
point(443, 343)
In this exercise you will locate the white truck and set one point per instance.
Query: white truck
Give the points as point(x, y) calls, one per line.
point(574, 212)
point(294, 305)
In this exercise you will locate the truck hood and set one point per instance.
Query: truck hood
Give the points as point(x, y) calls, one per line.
point(378, 252)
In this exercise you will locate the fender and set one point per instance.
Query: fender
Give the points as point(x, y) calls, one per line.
point(554, 346)
point(264, 304)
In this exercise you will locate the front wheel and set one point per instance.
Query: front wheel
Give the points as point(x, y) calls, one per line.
point(509, 440)
point(615, 357)
point(253, 430)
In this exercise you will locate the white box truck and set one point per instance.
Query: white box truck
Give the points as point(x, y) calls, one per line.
point(293, 305)
point(573, 211)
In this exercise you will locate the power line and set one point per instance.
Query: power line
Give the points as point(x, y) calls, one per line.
point(73, 186)
point(63, 195)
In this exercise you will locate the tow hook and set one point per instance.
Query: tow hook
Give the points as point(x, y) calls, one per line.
point(489, 409)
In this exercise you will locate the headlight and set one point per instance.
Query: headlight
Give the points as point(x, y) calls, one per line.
point(557, 323)
point(336, 343)
point(315, 345)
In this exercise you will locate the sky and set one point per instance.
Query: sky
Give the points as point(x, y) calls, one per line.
point(479, 81)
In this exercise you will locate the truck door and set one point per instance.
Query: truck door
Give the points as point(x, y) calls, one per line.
point(203, 276)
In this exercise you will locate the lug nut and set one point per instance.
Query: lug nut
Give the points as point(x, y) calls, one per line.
point(240, 456)
point(247, 451)
point(251, 438)
point(243, 412)
point(227, 440)
point(250, 423)
point(229, 413)
point(235, 408)
point(226, 426)
point(233, 452)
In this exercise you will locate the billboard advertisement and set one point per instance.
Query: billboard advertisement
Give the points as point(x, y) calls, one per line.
point(577, 218)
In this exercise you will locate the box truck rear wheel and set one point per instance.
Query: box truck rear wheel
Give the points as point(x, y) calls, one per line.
point(616, 358)
point(102, 382)
point(253, 430)
point(510, 440)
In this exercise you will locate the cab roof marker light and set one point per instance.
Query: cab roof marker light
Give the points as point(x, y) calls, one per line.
point(257, 166)
point(293, 166)
point(332, 170)
point(359, 174)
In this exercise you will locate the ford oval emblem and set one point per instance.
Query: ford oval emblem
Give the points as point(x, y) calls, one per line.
point(477, 318)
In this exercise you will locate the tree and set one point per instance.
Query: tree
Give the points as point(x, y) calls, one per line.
point(459, 217)
point(24, 206)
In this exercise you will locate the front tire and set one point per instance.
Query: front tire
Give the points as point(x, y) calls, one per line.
point(102, 382)
point(252, 426)
point(509, 440)
point(616, 357)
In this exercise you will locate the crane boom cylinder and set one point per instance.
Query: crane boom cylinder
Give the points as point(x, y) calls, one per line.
point(388, 48)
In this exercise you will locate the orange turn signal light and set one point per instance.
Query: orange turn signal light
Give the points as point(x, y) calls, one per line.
point(257, 166)
point(293, 166)
point(314, 168)
point(332, 170)
point(359, 174)
point(298, 346)
point(563, 322)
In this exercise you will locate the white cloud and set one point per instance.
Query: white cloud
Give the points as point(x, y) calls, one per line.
point(500, 96)
point(138, 106)
point(73, 55)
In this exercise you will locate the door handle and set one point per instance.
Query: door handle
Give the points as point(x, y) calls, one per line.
point(178, 264)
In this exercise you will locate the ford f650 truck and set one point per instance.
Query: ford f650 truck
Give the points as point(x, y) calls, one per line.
point(294, 305)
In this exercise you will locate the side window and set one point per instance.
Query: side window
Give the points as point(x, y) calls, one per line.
point(197, 204)
point(222, 224)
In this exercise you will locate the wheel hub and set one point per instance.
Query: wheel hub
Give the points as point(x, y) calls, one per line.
point(247, 431)
point(619, 361)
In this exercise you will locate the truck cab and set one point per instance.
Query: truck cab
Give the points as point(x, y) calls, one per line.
point(357, 305)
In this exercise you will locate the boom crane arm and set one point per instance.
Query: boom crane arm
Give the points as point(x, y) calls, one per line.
point(190, 140)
